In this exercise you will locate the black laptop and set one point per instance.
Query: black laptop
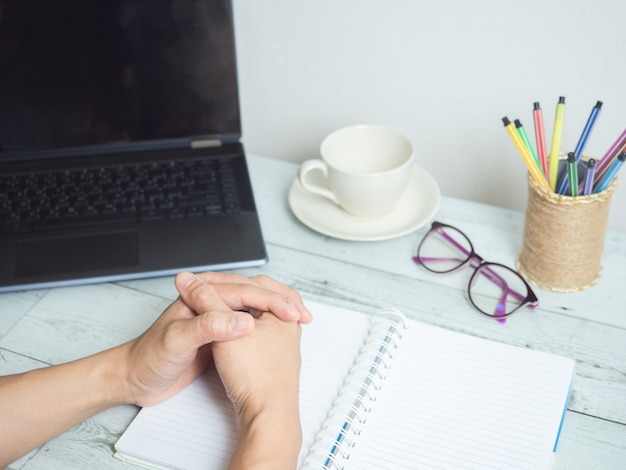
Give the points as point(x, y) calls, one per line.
point(120, 153)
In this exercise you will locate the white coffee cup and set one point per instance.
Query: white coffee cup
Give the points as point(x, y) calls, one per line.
point(364, 168)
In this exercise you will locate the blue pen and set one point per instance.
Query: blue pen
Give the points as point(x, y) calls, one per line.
point(589, 175)
point(563, 181)
point(610, 174)
point(580, 146)
point(587, 130)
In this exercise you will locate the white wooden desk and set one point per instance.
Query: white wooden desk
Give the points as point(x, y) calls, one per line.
point(57, 325)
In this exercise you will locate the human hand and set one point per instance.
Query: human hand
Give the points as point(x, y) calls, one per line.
point(259, 294)
point(261, 375)
point(174, 351)
point(261, 369)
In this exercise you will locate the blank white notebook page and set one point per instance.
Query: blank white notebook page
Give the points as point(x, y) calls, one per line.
point(195, 429)
point(330, 345)
point(453, 401)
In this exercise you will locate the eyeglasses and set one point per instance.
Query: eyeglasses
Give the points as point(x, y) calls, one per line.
point(494, 289)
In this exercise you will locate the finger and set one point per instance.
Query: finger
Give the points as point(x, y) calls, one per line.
point(294, 297)
point(197, 294)
point(256, 300)
point(215, 320)
point(283, 311)
point(219, 326)
point(205, 328)
point(201, 295)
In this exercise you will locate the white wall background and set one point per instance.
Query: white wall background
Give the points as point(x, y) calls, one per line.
point(444, 72)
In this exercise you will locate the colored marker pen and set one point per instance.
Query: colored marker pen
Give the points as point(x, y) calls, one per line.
point(540, 137)
point(528, 159)
point(555, 149)
point(609, 156)
point(562, 181)
point(589, 176)
point(580, 146)
point(524, 136)
point(572, 173)
point(563, 184)
point(607, 179)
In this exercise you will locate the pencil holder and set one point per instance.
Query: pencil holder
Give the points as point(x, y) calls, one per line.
point(563, 238)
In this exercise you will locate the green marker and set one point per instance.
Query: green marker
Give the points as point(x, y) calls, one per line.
point(572, 174)
point(524, 136)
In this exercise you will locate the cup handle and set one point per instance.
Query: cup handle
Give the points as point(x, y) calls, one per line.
point(315, 165)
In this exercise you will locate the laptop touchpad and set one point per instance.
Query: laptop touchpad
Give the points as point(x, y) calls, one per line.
point(73, 254)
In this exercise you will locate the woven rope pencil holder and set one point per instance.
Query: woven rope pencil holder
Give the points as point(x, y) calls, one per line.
point(563, 238)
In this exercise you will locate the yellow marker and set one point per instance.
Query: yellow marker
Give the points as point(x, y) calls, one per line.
point(555, 149)
point(523, 150)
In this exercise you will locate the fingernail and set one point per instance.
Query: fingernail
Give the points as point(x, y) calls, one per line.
point(185, 279)
point(241, 321)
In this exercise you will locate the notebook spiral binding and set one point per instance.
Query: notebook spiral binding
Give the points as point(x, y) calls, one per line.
point(332, 446)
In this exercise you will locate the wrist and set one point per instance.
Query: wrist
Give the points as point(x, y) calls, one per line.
point(110, 378)
point(270, 437)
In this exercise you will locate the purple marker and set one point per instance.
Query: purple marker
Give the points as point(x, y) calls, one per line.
point(609, 156)
point(589, 175)
point(609, 176)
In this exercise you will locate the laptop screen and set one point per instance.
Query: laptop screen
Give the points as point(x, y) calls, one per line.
point(77, 73)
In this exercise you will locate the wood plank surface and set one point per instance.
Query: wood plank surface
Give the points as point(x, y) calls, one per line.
point(43, 327)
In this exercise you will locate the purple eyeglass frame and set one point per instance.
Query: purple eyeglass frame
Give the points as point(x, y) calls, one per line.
point(480, 265)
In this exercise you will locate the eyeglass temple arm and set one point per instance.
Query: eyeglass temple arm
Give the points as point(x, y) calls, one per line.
point(452, 241)
point(499, 314)
point(497, 280)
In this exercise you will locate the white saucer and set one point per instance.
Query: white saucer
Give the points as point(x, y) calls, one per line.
point(417, 205)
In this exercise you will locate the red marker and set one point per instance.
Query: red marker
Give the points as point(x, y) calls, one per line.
point(541, 138)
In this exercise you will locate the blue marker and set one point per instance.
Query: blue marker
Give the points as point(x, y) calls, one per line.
point(587, 130)
point(611, 173)
point(563, 183)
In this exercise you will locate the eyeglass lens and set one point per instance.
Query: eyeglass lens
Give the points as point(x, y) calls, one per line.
point(444, 249)
point(494, 289)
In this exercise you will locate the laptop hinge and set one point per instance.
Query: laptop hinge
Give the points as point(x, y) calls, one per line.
point(205, 143)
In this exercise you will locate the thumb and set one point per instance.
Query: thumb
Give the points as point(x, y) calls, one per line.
point(214, 320)
point(219, 326)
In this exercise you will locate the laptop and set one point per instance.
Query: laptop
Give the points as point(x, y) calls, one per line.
point(120, 152)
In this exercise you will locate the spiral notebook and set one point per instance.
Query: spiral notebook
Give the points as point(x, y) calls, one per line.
point(382, 392)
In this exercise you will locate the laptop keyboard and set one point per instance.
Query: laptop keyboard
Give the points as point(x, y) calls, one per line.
point(134, 193)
